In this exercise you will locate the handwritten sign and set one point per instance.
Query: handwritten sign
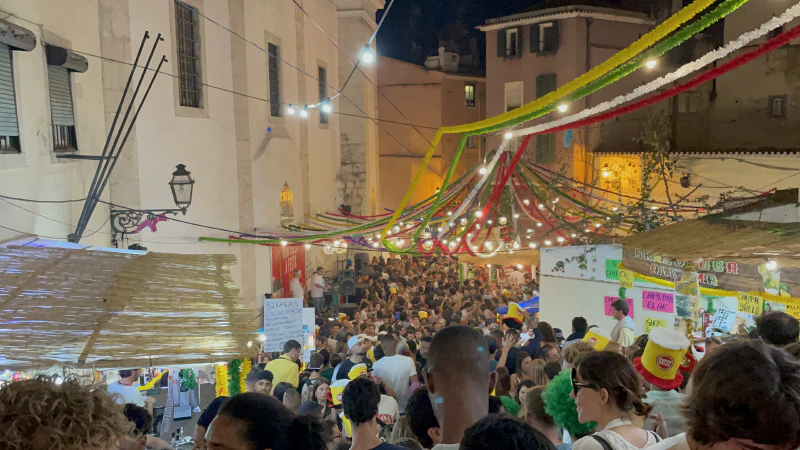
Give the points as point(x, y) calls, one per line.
point(612, 269)
point(610, 300)
point(658, 301)
point(750, 304)
point(283, 321)
point(793, 310)
point(626, 278)
point(652, 322)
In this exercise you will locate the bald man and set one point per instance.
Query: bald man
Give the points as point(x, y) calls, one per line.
point(459, 382)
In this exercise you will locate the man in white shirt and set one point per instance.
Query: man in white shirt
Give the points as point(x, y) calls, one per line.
point(127, 391)
point(516, 278)
point(317, 290)
point(296, 287)
point(397, 371)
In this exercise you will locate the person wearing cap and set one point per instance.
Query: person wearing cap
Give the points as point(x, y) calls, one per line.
point(128, 393)
point(356, 351)
point(284, 368)
point(659, 366)
point(624, 331)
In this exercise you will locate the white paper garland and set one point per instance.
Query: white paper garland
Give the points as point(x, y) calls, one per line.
point(789, 15)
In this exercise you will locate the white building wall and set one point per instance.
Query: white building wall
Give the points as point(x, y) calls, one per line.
point(35, 173)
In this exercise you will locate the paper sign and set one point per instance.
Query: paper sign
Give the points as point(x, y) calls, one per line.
point(283, 321)
point(309, 327)
point(723, 319)
point(610, 300)
point(652, 322)
point(658, 301)
point(750, 304)
point(793, 310)
point(612, 269)
point(626, 278)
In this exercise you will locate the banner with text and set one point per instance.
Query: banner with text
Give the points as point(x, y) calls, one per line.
point(283, 321)
point(610, 300)
point(284, 262)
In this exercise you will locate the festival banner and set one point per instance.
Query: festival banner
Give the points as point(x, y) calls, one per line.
point(658, 301)
point(283, 321)
point(284, 262)
point(717, 274)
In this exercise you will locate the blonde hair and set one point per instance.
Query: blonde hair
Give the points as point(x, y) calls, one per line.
point(37, 414)
point(572, 352)
point(539, 375)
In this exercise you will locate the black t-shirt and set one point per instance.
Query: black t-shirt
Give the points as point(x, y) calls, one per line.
point(385, 446)
point(344, 368)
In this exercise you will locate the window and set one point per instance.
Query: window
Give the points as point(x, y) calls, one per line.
point(469, 93)
point(9, 128)
point(275, 109)
point(513, 95)
point(545, 148)
point(777, 106)
point(61, 109)
point(472, 142)
point(509, 43)
point(322, 75)
point(544, 37)
point(688, 102)
point(190, 79)
point(545, 84)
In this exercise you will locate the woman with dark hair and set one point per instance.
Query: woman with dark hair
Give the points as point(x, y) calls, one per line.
point(503, 391)
point(241, 424)
point(522, 390)
point(281, 389)
point(524, 370)
point(548, 335)
point(607, 390)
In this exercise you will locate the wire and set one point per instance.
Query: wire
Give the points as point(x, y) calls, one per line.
point(6, 197)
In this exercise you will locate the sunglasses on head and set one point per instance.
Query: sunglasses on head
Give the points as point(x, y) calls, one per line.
point(576, 387)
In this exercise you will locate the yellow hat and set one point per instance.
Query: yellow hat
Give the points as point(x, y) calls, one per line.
point(598, 338)
point(348, 427)
point(341, 316)
point(371, 354)
point(423, 315)
point(357, 371)
point(514, 317)
point(506, 293)
point(662, 358)
point(336, 391)
point(393, 290)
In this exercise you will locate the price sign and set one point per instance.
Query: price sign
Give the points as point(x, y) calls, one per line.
point(626, 278)
point(652, 322)
point(612, 269)
point(750, 304)
point(793, 310)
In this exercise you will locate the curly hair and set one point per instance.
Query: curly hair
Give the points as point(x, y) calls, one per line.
point(503, 431)
point(572, 352)
point(614, 373)
point(360, 400)
point(561, 407)
point(34, 415)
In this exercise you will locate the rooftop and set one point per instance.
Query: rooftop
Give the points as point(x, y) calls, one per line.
point(565, 12)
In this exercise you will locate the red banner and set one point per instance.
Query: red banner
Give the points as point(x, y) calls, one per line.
point(284, 262)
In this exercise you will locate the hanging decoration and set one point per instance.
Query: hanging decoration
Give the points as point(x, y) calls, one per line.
point(221, 372)
point(234, 375)
point(286, 202)
point(247, 366)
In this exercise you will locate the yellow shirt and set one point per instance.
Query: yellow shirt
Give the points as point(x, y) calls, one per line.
point(284, 370)
point(626, 337)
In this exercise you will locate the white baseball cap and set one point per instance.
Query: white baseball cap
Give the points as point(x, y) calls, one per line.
point(353, 341)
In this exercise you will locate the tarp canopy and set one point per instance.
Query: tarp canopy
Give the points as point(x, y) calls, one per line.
point(90, 308)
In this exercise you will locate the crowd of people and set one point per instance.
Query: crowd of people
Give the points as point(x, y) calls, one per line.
point(426, 363)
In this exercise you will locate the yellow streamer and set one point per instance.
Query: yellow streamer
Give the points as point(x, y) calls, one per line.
point(658, 33)
point(718, 292)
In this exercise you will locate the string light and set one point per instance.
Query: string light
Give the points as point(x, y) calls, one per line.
point(290, 110)
point(532, 245)
point(489, 221)
point(374, 245)
point(526, 202)
point(308, 246)
point(651, 63)
point(449, 213)
point(262, 337)
point(530, 230)
point(516, 216)
point(573, 235)
point(483, 170)
point(326, 108)
point(560, 239)
point(508, 136)
point(541, 206)
point(562, 108)
point(547, 242)
point(283, 243)
point(304, 113)
point(478, 213)
point(367, 57)
point(538, 224)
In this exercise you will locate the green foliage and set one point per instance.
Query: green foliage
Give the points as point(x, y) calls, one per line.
point(187, 379)
point(234, 373)
point(560, 406)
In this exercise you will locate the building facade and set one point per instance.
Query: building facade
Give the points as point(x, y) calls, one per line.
point(220, 106)
point(429, 97)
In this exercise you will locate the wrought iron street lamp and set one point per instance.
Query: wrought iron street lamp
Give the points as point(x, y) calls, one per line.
point(127, 221)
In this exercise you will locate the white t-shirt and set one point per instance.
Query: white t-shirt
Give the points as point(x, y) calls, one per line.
point(297, 289)
point(129, 394)
point(446, 447)
point(396, 371)
point(388, 412)
point(678, 442)
point(315, 291)
point(516, 278)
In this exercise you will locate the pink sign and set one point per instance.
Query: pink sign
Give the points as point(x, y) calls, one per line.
point(658, 301)
point(610, 300)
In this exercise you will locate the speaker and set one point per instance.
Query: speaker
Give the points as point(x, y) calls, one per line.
point(361, 264)
point(349, 309)
point(347, 282)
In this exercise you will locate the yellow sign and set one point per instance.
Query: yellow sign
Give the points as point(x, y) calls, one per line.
point(626, 278)
point(793, 310)
point(750, 304)
point(651, 322)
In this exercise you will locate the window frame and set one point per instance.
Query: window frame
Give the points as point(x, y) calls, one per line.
point(784, 100)
point(322, 83)
point(65, 137)
point(470, 102)
point(12, 144)
point(511, 50)
point(189, 57)
point(274, 79)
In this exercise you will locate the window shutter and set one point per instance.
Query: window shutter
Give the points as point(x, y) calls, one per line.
point(545, 149)
point(8, 102)
point(520, 41)
point(545, 84)
point(501, 44)
point(60, 96)
point(551, 37)
point(535, 38)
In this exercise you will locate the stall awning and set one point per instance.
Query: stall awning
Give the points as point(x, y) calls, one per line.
point(90, 308)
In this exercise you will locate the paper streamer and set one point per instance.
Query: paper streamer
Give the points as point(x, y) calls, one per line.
point(789, 15)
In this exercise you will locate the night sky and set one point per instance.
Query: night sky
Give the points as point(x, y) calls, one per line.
point(413, 28)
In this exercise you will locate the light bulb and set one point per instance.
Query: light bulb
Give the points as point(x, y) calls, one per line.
point(556, 200)
point(488, 245)
point(262, 337)
point(375, 245)
point(519, 266)
point(489, 266)
point(615, 209)
point(489, 221)
point(458, 239)
point(396, 229)
point(304, 113)
point(308, 246)
point(327, 108)
point(538, 224)
point(249, 344)
point(367, 56)
point(478, 213)
point(573, 235)
point(532, 245)
point(541, 206)
point(483, 170)
point(530, 231)
point(449, 213)
point(508, 136)
point(562, 107)
point(597, 225)
point(377, 235)
point(526, 202)
point(547, 242)
point(516, 216)
point(283, 243)
point(290, 110)
point(560, 239)
point(654, 208)
point(463, 221)
point(651, 63)
point(771, 265)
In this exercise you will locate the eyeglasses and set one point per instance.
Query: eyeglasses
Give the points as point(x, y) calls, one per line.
point(576, 387)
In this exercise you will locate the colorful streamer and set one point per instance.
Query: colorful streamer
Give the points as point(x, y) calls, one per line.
point(221, 372)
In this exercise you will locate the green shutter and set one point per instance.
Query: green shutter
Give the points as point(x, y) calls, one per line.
point(8, 101)
point(551, 41)
point(501, 44)
point(520, 41)
point(545, 84)
point(545, 148)
point(535, 38)
point(60, 96)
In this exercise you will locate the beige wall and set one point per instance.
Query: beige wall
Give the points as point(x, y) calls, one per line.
point(431, 99)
